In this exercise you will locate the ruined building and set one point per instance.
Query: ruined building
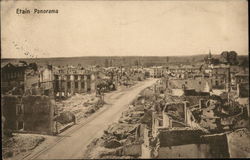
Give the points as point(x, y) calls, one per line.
point(28, 79)
point(19, 76)
point(189, 87)
point(32, 114)
point(220, 76)
point(70, 82)
point(175, 133)
point(46, 80)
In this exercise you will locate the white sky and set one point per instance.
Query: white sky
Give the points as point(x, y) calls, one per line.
point(120, 28)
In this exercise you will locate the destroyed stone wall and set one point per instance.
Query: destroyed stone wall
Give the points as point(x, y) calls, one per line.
point(190, 120)
point(69, 84)
point(177, 143)
point(9, 110)
point(239, 144)
point(177, 111)
point(166, 121)
point(12, 76)
point(185, 151)
point(38, 114)
point(175, 137)
point(177, 92)
point(218, 145)
point(29, 113)
point(194, 100)
point(132, 150)
point(243, 90)
point(31, 80)
point(202, 103)
point(146, 151)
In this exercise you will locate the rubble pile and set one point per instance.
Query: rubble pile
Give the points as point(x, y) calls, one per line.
point(81, 105)
point(133, 115)
point(240, 138)
point(111, 143)
point(120, 135)
point(120, 130)
point(193, 100)
point(19, 144)
point(218, 116)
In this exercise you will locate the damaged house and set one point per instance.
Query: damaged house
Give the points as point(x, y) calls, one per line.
point(19, 77)
point(191, 87)
point(220, 76)
point(46, 80)
point(28, 104)
point(28, 79)
point(218, 115)
point(158, 71)
point(176, 134)
point(32, 114)
point(242, 83)
point(74, 81)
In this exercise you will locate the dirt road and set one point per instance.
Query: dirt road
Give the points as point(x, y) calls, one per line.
point(72, 143)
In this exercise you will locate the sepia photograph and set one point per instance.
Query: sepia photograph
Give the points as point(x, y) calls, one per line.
point(124, 79)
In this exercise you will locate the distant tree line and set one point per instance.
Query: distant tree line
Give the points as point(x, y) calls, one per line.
point(229, 57)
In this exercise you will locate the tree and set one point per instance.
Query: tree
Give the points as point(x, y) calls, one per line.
point(229, 57)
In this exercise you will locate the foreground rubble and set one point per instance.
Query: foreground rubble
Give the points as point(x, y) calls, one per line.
point(20, 144)
point(81, 105)
point(157, 125)
point(120, 139)
point(239, 145)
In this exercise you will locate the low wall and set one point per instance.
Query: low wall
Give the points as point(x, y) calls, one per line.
point(132, 150)
point(185, 151)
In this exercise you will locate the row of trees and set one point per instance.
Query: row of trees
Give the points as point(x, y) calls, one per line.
point(228, 57)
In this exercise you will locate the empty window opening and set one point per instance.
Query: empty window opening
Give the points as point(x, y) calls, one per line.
point(68, 85)
point(82, 84)
point(19, 109)
point(76, 84)
point(20, 125)
point(216, 83)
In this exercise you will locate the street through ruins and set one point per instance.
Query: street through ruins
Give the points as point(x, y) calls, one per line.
point(124, 79)
point(71, 143)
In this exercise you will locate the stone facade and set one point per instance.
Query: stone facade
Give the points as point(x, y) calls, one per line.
point(29, 114)
point(68, 84)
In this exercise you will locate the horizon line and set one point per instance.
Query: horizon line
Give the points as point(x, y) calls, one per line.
point(121, 56)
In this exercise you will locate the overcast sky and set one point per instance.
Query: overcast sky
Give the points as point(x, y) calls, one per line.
point(120, 28)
